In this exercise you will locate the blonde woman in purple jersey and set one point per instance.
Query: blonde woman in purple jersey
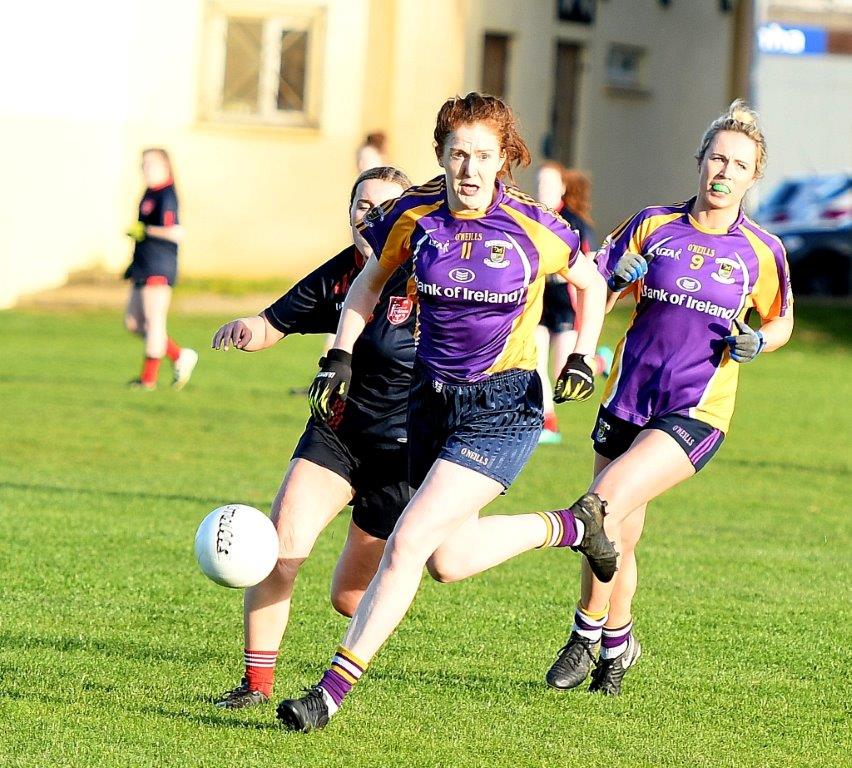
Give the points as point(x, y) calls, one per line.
point(696, 269)
point(480, 251)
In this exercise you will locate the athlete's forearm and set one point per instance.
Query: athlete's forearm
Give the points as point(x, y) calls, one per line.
point(611, 299)
point(776, 333)
point(359, 305)
point(591, 309)
point(173, 234)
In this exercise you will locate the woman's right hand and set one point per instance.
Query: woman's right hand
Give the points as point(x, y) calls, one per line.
point(234, 334)
point(630, 267)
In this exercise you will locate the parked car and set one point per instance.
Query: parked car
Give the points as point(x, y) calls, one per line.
point(813, 218)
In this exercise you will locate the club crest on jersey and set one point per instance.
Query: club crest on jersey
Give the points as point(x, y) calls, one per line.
point(147, 206)
point(688, 284)
point(462, 275)
point(497, 254)
point(725, 271)
point(399, 309)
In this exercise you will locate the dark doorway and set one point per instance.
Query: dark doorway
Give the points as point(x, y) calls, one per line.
point(561, 143)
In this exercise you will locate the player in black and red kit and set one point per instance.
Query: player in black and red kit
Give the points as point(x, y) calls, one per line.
point(359, 457)
point(153, 271)
point(566, 192)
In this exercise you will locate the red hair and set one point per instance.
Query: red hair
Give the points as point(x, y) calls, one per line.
point(578, 193)
point(481, 108)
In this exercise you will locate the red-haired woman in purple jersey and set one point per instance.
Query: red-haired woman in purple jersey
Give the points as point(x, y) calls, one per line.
point(697, 270)
point(480, 252)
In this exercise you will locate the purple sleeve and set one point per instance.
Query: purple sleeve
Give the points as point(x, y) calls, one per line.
point(625, 237)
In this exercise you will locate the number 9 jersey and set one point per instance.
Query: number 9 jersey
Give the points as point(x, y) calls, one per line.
point(672, 359)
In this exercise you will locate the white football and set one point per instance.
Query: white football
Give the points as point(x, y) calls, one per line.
point(236, 546)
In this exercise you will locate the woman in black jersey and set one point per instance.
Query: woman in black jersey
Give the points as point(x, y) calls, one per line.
point(567, 192)
point(157, 233)
point(359, 457)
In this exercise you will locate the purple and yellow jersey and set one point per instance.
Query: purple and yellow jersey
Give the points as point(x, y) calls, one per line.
point(672, 359)
point(479, 276)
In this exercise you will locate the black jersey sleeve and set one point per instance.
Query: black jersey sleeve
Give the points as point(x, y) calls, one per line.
point(169, 207)
point(313, 304)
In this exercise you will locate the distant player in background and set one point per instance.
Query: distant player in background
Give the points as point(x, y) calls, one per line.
point(568, 194)
point(697, 270)
point(372, 153)
point(480, 251)
point(360, 457)
point(157, 233)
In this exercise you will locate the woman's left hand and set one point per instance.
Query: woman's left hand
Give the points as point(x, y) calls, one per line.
point(577, 380)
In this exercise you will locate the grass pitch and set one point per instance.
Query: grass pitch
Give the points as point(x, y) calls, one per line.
point(112, 642)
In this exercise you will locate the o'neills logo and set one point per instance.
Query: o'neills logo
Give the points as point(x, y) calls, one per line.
point(464, 293)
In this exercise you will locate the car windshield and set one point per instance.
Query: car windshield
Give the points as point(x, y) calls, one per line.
point(783, 193)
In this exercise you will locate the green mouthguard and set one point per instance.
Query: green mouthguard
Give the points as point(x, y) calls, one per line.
point(721, 188)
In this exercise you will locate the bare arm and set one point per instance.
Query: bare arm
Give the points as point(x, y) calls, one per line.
point(611, 299)
point(173, 234)
point(360, 302)
point(776, 332)
point(249, 334)
point(591, 303)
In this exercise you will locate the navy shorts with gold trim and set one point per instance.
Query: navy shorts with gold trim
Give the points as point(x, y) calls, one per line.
point(377, 471)
point(700, 441)
point(490, 426)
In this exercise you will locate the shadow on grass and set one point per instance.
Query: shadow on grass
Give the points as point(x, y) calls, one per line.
point(787, 466)
point(224, 720)
point(123, 649)
point(130, 494)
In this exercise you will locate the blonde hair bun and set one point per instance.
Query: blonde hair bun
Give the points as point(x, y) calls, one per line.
point(741, 112)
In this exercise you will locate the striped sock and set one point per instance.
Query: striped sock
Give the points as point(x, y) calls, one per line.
point(345, 670)
point(563, 529)
point(260, 670)
point(614, 640)
point(589, 624)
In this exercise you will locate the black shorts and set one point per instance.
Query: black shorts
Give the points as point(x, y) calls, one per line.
point(557, 313)
point(377, 472)
point(142, 274)
point(700, 441)
point(490, 426)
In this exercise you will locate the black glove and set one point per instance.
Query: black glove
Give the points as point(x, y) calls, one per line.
point(331, 385)
point(630, 267)
point(746, 345)
point(576, 382)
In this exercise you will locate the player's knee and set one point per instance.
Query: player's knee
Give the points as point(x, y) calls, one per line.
point(131, 323)
point(345, 600)
point(287, 568)
point(403, 550)
point(444, 570)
